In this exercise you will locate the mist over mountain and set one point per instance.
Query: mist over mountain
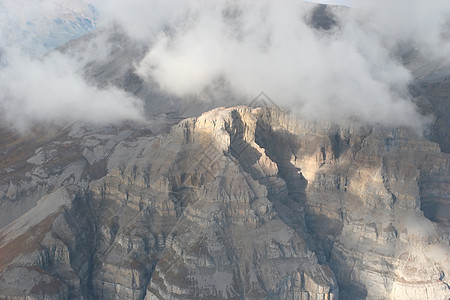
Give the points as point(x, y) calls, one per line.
point(241, 48)
point(224, 150)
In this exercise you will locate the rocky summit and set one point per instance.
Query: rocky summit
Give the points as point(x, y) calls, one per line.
point(238, 203)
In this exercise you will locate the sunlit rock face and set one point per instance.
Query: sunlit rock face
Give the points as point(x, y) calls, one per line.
point(236, 203)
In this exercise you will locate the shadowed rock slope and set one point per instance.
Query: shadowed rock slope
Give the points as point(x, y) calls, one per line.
point(237, 203)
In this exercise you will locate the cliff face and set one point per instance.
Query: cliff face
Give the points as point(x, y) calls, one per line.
point(237, 203)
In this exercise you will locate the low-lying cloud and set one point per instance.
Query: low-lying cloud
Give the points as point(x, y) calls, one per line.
point(51, 88)
point(352, 70)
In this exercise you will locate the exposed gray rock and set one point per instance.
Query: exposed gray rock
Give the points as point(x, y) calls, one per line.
point(237, 203)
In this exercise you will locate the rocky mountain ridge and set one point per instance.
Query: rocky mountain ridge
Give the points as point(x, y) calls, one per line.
point(237, 203)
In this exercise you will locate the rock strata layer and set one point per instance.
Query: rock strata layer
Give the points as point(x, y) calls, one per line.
point(237, 203)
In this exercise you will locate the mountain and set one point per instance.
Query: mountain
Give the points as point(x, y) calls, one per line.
point(430, 90)
point(239, 202)
point(45, 26)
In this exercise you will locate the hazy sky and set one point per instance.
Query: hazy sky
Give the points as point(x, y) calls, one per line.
point(352, 70)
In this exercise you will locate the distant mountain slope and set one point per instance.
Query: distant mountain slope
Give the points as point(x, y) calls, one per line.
point(431, 91)
point(45, 25)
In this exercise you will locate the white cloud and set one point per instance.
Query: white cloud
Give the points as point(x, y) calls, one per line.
point(424, 25)
point(353, 71)
point(53, 90)
point(142, 19)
